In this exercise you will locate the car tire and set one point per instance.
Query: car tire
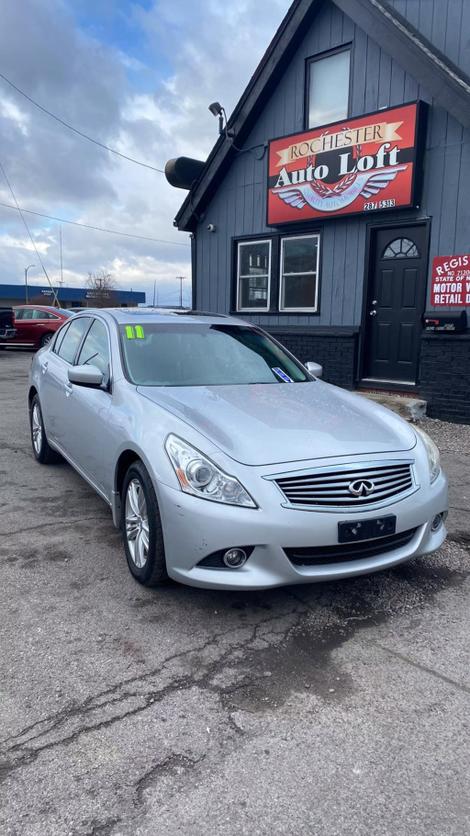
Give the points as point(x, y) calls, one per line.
point(45, 339)
point(141, 528)
point(42, 451)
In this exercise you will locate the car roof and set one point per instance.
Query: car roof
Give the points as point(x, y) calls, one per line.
point(128, 316)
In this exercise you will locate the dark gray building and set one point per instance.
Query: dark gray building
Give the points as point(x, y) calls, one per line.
point(334, 211)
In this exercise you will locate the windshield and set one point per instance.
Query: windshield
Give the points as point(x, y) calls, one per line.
point(204, 355)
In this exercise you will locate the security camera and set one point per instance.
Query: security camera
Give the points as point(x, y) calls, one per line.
point(211, 227)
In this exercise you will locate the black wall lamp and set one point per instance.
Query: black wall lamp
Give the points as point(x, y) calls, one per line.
point(217, 110)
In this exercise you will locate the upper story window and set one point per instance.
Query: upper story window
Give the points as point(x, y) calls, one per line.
point(328, 88)
point(253, 275)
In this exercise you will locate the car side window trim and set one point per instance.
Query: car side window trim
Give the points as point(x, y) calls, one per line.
point(59, 337)
point(84, 336)
point(73, 320)
point(77, 355)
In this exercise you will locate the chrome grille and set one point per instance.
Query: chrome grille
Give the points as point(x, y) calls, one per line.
point(331, 487)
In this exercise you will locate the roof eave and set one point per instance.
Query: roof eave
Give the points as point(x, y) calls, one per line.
point(447, 83)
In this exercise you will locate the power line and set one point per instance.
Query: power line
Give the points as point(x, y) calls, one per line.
point(96, 228)
point(29, 232)
point(77, 131)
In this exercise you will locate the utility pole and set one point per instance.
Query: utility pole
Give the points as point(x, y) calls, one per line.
point(61, 260)
point(26, 281)
point(181, 280)
point(154, 290)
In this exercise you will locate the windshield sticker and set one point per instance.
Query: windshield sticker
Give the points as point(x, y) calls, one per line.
point(282, 375)
point(130, 332)
point(139, 332)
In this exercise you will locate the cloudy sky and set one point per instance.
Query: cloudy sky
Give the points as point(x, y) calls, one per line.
point(137, 76)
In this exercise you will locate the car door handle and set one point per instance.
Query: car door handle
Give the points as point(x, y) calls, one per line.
point(44, 366)
point(372, 313)
point(68, 389)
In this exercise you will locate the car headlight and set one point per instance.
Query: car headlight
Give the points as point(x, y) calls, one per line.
point(434, 458)
point(199, 476)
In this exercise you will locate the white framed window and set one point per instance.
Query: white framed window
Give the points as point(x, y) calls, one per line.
point(328, 88)
point(298, 286)
point(253, 275)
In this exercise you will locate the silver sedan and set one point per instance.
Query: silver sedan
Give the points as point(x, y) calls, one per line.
point(226, 462)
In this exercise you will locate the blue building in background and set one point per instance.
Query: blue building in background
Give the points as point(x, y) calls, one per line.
point(15, 294)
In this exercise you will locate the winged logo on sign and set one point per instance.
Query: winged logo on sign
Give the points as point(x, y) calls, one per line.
point(325, 199)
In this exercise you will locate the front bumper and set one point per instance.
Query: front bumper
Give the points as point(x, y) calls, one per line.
point(7, 332)
point(194, 528)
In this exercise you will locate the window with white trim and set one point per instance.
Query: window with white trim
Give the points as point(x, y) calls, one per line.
point(328, 88)
point(298, 286)
point(253, 275)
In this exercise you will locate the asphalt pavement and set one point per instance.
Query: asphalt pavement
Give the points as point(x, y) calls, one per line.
point(339, 708)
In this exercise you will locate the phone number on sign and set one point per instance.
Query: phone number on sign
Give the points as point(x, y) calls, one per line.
point(380, 204)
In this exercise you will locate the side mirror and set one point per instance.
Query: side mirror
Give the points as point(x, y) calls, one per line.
point(314, 368)
point(86, 376)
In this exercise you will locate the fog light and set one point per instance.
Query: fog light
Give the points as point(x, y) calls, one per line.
point(437, 522)
point(235, 558)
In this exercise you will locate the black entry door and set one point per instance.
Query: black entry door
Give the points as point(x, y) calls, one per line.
point(395, 305)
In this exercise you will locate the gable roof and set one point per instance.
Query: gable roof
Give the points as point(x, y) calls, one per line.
point(447, 84)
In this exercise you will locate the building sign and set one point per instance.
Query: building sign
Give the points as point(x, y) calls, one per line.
point(450, 285)
point(356, 166)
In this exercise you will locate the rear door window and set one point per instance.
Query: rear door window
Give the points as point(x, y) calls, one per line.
point(39, 314)
point(73, 337)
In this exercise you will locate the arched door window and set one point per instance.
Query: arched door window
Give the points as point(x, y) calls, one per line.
point(401, 248)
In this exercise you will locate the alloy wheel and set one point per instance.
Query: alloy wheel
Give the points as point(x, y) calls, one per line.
point(36, 428)
point(137, 523)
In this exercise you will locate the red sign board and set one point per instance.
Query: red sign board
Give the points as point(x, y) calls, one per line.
point(450, 286)
point(357, 166)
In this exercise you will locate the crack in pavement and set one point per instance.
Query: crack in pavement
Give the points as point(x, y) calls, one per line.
point(25, 752)
point(89, 705)
point(419, 666)
point(64, 524)
point(176, 763)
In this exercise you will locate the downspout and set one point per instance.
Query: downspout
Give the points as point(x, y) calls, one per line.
point(193, 270)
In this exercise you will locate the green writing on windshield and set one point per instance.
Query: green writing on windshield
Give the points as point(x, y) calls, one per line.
point(130, 333)
point(139, 332)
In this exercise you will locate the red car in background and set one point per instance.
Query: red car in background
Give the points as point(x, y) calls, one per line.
point(35, 325)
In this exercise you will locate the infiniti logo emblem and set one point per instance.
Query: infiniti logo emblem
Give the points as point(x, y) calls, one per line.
point(361, 487)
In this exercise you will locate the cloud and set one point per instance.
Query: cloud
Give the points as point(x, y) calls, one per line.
point(139, 78)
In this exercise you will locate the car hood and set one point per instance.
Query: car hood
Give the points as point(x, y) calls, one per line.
point(266, 424)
